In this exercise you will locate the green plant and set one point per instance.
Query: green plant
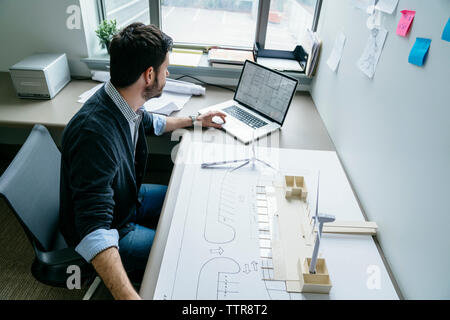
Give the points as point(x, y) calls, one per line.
point(105, 32)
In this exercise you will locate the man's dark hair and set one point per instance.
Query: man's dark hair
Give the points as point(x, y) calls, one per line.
point(134, 49)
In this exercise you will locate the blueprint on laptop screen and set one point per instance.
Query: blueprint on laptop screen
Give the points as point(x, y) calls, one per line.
point(266, 91)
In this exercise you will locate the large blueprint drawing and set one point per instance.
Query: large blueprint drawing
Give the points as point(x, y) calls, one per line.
point(219, 242)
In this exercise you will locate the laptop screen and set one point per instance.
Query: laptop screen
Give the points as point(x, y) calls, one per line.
point(265, 91)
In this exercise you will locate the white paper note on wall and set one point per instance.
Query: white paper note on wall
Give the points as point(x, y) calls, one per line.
point(374, 20)
point(372, 52)
point(336, 54)
point(362, 4)
point(387, 6)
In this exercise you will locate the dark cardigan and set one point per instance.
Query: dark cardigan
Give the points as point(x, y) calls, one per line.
point(100, 174)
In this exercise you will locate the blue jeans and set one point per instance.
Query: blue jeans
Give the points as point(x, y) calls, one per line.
point(134, 247)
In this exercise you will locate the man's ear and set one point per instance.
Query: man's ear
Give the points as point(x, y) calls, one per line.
point(149, 75)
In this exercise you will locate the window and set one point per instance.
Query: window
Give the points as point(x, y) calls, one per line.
point(275, 24)
point(228, 23)
point(288, 20)
point(126, 11)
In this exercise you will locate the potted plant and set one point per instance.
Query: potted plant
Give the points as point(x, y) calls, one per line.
point(105, 32)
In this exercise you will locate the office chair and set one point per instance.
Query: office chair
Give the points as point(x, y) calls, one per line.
point(30, 186)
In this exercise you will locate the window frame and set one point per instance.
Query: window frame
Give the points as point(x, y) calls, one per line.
point(262, 21)
point(101, 9)
point(98, 58)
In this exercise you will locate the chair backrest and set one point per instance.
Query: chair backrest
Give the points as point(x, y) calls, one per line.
point(31, 187)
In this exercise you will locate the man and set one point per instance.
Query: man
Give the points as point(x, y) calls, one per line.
point(106, 214)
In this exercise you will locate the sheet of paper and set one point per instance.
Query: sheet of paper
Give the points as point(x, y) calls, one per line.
point(419, 51)
point(100, 76)
point(214, 250)
point(187, 58)
point(374, 20)
point(362, 4)
point(87, 94)
point(280, 64)
point(372, 52)
point(404, 25)
point(446, 32)
point(336, 54)
point(177, 86)
point(167, 103)
point(387, 6)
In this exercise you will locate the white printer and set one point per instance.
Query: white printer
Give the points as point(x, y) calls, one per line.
point(40, 76)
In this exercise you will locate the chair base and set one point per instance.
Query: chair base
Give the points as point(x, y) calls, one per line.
point(92, 288)
point(57, 275)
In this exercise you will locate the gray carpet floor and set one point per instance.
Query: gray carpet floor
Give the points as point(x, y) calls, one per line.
point(16, 257)
point(16, 252)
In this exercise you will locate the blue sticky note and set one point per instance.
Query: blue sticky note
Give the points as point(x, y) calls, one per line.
point(419, 51)
point(446, 33)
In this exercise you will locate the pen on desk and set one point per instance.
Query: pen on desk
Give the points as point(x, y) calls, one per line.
point(210, 164)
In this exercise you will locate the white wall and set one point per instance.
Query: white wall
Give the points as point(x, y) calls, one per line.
point(27, 27)
point(392, 134)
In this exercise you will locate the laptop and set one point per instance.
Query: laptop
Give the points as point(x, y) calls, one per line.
point(260, 103)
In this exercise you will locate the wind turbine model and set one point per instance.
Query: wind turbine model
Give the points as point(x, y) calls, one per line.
point(321, 219)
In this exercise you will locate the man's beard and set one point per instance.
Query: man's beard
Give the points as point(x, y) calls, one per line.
point(153, 91)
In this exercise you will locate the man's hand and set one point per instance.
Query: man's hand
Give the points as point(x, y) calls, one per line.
point(207, 119)
point(109, 267)
point(173, 123)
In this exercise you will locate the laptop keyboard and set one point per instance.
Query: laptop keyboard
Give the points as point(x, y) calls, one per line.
point(245, 117)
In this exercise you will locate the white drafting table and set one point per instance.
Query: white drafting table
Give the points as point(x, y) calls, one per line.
point(355, 265)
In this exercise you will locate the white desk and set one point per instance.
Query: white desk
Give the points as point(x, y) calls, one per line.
point(303, 127)
point(352, 260)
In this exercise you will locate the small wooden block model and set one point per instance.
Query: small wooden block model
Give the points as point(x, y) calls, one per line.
point(293, 250)
point(318, 282)
point(295, 187)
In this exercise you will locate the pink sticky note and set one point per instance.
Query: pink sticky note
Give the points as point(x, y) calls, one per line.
point(405, 22)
